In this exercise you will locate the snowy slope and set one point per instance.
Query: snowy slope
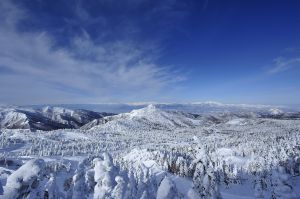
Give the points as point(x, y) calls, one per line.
point(47, 118)
point(73, 118)
point(148, 118)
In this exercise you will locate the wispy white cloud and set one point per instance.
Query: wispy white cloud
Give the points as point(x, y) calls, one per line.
point(85, 72)
point(282, 64)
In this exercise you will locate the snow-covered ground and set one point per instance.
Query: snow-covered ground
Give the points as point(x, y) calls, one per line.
point(154, 153)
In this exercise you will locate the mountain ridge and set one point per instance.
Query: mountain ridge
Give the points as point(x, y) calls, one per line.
point(46, 118)
point(194, 107)
point(149, 117)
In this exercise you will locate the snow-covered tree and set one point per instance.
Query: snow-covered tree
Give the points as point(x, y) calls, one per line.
point(25, 180)
point(119, 190)
point(282, 188)
point(166, 189)
point(51, 188)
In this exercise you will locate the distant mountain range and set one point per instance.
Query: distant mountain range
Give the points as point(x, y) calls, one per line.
point(196, 107)
point(142, 116)
point(153, 117)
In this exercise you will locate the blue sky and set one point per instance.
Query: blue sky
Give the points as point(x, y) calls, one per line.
point(96, 51)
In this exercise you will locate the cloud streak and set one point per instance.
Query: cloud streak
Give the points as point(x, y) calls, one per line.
point(39, 71)
point(282, 64)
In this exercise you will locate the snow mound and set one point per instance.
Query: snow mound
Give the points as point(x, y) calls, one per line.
point(25, 178)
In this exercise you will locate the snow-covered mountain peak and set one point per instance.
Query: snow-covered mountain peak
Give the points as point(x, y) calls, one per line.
point(150, 109)
point(275, 111)
point(145, 119)
point(46, 109)
point(57, 110)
